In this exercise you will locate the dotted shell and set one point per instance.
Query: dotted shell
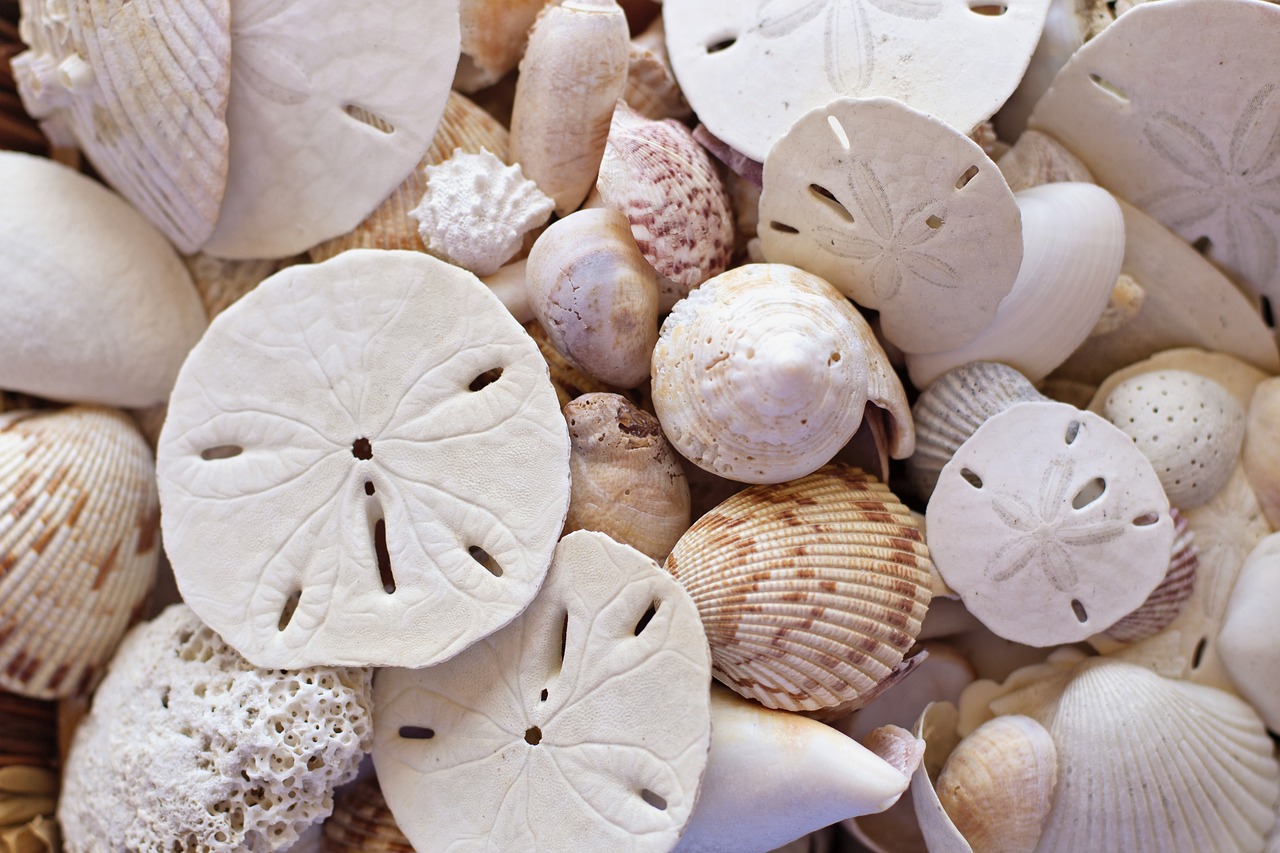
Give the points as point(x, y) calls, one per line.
point(810, 591)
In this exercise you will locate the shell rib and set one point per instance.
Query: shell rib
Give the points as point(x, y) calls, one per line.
point(1167, 600)
point(362, 823)
point(810, 591)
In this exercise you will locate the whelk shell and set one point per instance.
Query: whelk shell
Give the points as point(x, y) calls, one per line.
point(810, 591)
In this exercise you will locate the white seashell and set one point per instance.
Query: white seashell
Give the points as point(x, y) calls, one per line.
point(1073, 244)
point(652, 89)
point(1249, 643)
point(1261, 453)
point(1238, 377)
point(476, 211)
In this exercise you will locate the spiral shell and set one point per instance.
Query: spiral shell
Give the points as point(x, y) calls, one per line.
point(810, 591)
point(78, 523)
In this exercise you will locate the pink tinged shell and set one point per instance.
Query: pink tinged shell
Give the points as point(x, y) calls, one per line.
point(79, 518)
point(667, 186)
point(1166, 601)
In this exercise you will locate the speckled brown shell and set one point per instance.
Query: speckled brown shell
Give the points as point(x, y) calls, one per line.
point(810, 591)
point(1166, 601)
point(464, 126)
point(78, 544)
point(362, 823)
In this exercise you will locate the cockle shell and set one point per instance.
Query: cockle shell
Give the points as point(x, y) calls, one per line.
point(362, 822)
point(1167, 600)
point(476, 211)
point(494, 33)
point(810, 591)
point(1205, 751)
point(668, 188)
point(78, 544)
point(573, 73)
point(162, 143)
point(762, 373)
point(1249, 642)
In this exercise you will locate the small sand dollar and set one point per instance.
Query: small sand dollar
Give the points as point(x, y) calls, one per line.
point(364, 464)
point(584, 725)
point(1050, 524)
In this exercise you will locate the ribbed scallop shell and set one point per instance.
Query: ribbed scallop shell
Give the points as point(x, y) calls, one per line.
point(221, 282)
point(1166, 601)
point(810, 591)
point(362, 823)
point(78, 544)
point(665, 183)
point(1154, 764)
point(652, 89)
point(464, 126)
point(142, 87)
point(951, 409)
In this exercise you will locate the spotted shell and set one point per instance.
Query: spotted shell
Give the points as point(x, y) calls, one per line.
point(78, 546)
point(362, 823)
point(810, 591)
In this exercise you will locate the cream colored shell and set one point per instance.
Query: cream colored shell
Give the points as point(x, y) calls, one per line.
point(1249, 642)
point(494, 33)
point(1037, 159)
point(762, 373)
point(362, 822)
point(1260, 454)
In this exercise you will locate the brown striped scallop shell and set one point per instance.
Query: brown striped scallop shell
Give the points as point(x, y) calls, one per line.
point(1165, 601)
point(79, 518)
point(810, 591)
point(362, 823)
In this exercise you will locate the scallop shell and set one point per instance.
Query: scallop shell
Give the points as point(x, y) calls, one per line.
point(162, 143)
point(952, 408)
point(78, 546)
point(810, 591)
point(1156, 764)
point(362, 822)
point(464, 126)
point(668, 188)
point(221, 283)
point(1167, 600)
point(652, 89)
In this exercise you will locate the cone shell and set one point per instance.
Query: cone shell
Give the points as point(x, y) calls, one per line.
point(1166, 601)
point(362, 823)
point(78, 544)
point(810, 591)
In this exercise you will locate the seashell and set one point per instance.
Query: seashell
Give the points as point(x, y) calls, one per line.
point(362, 822)
point(28, 731)
point(1259, 454)
point(573, 73)
point(810, 591)
point(595, 295)
point(1191, 429)
point(652, 89)
point(762, 374)
point(833, 49)
point(626, 480)
point(668, 188)
point(28, 796)
point(1073, 244)
point(78, 549)
point(952, 408)
point(18, 131)
point(508, 285)
point(1078, 394)
point(476, 211)
point(569, 382)
point(1215, 764)
point(494, 33)
point(903, 213)
point(220, 283)
point(1037, 159)
point(1169, 597)
point(464, 126)
point(1033, 514)
point(937, 728)
point(162, 144)
point(369, 79)
point(998, 783)
point(1171, 142)
point(1187, 302)
point(1123, 305)
point(751, 171)
point(1248, 642)
point(1238, 377)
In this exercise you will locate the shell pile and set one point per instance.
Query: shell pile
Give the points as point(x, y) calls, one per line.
point(910, 366)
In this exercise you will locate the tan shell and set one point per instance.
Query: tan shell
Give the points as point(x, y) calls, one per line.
point(1037, 158)
point(569, 381)
point(464, 126)
point(626, 479)
point(162, 143)
point(652, 89)
point(494, 33)
point(28, 731)
point(1261, 452)
point(1167, 600)
point(78, 544)
point(1232, 373)
point(667, 186)
point(573, 72)
point(762, 373)
point(810, 591)
point(362, 822)
point(222, 282)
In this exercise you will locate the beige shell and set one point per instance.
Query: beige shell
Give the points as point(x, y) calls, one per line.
point(1249, 641)
point(810, 591)
point(668, 188)
point(28, 775)
point(78, 544)
point(761, 375)
point(1184, 767)
point(626, 479)
point(464, 126)
point(494, 33)
point(652, 89)
point(1234, 374)
point(1167, 600)
point(362, 822)
point(952, 408)
point(162, 143)
point(573, 72)
point(221, 283)
point(1261, 452)
point(1037, 158)
point(568, 380)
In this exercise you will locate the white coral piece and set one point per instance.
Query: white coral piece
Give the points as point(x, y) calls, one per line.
point(188, 747)
point(476, 211)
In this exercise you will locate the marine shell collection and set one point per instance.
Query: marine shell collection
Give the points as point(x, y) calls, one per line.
point(471, 383)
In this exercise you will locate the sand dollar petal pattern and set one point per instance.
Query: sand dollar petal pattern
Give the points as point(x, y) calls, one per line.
point(364, 463)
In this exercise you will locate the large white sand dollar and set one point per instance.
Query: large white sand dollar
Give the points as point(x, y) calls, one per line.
point(333, 490)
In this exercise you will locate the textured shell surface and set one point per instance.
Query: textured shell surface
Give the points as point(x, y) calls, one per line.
point(362, 821)
point(652, 89)
point(1168, 599)
point(79, 521)
point(810, 591)
point(761, 375)
point(666, 185)
point(222, 282)
point(494, 33)
point(900, 211)
point(1037, 158)
point(163, 145)
point(1231, 372)
point(1215, 765)
point(476, 211)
